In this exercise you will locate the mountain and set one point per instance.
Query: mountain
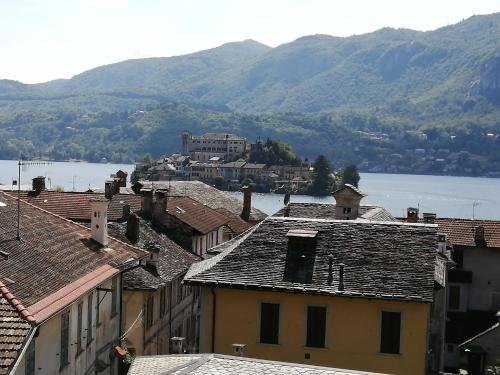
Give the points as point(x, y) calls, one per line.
point(443, 82)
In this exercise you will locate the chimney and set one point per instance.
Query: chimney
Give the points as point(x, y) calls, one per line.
point(479, 238)
point(38, 184)
point(442, 241)
point(121, 178)
point(330, 269)
point(412, 215)
point(347, 202)
point(132, 231)
point(154, 252)
point(247, 202)
point(125, 211)
point(238, 349)
point(99, 220)
point(147, 203)
point(108, 189)
point(429, 218)
point(286, 211)
point(341, 276)
point(177, 344)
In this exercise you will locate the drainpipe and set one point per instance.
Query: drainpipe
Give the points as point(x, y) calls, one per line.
point(214, 302)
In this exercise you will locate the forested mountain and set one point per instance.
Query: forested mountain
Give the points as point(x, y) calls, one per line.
point(444, 82)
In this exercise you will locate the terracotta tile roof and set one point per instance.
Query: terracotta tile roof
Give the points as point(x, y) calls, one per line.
point(173, 260)
point(195, 214)
point(387, 260)
point(236, 224)
point(461, 231)
point(76, 207)
point(14, 333)
point(53, 253)
point(218, 364)
point(203, 193)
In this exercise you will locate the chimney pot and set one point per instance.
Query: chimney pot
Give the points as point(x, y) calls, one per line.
point(177, 344)
point(38, 184)
point(238, 349)
point(99, 220)
point(412, 215)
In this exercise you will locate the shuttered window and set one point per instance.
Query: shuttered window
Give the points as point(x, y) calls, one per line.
point(90, 311)
point(269, 322)
point(64, 339)
point(79, 328)
point(316, 326)
point(390, 332)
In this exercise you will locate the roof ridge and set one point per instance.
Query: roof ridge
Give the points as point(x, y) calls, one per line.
point(23, 312)
point(356, 221)
point(136, 249)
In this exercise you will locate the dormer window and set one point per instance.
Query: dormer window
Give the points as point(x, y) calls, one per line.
point(347, 210)
point(300, 255)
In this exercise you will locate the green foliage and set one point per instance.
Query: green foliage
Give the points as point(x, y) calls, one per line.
point(322, 183)
point(273, 153)
point(350, 175)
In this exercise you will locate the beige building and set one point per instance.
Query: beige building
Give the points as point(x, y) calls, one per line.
point(59, 291)
point(209, 145)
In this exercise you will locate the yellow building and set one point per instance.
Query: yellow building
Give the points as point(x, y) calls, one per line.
point(351, 294)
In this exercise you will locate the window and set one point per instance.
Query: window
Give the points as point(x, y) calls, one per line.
point(390, 332)
point(454, 297)
point(316, 326)
point(347, 210)
point(30, 358)
point(64, 339)
point(79, 328)
point(114, 296)
point(149, 311)
point(269, 322)
point(89, 319)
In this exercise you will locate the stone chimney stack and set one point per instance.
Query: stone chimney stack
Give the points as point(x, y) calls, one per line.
point(412, 215)
point(132, 231)
point(38, 184)
point(247, 202)
point(429, 218)
point(99, 220)
point(147, 203)
point(479, 238)
point(347, 202)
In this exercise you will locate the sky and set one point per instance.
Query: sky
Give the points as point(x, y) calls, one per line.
point(42, 40)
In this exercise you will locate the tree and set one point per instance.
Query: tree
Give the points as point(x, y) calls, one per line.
point(350, 175)
point(322, 177)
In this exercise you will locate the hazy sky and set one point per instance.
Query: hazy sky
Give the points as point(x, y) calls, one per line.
point(42, 40)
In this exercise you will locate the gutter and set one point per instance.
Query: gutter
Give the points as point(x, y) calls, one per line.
point(25, 347)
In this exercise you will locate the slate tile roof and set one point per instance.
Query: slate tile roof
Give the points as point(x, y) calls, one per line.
point(218, 364)
point(53, 255)
point(195, 214)
point(14, 333)
point(387, 260)
point(461, 231)
point(327, 211)
point(173, 260)
point(75, 206)
point(205, 194)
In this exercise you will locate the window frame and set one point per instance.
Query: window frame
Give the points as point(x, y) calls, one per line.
point(114, 297)
point(259, 326)
point(306, 320)
point(401, 328)
point(79, 329)
point(90, 307)
point(64, 340)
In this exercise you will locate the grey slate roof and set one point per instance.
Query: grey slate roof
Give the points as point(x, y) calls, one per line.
point(218, 364)
point(387, 260)
point(173, 260)
point(327, 211)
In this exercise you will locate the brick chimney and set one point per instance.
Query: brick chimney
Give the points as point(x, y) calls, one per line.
point(247, 202)
point(38, 184)
point(479, 238)
point(412, 215)
point(133, 225)
point(99, 220)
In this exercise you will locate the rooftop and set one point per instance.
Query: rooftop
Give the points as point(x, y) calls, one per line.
point(387, 260)
point(327, 211)
point(195, 214)
point(173, 260)
point(206, 194)
point(219, 364)
point(55, 261)
point(219, 136)
point(461, 231)
point(75, 206)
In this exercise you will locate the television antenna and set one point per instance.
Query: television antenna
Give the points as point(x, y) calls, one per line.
point(474, 205)
point(25, 164)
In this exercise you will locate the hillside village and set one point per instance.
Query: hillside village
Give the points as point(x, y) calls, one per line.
point(177, 273)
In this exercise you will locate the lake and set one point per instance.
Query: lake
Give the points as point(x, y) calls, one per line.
point(444, 195)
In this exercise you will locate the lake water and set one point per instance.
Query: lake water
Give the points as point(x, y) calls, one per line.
point(446, 196)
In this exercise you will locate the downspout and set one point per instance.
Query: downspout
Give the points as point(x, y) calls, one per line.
point(214, 301)
point(21, 355)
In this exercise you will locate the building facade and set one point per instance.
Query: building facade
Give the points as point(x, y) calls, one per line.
point(209, 145)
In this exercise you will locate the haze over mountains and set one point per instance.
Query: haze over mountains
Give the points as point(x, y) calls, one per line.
point(449, 77)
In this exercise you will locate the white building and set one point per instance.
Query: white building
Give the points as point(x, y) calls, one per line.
point(209, 145)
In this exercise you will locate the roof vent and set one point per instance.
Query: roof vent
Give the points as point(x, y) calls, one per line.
point(300, 255)
point(238, 349)
point(177, 344)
